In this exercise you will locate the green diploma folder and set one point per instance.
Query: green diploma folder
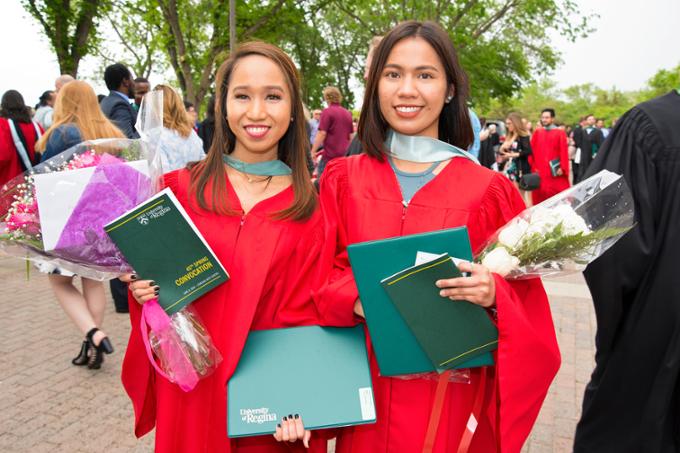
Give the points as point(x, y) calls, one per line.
point(554, 166)
point(450, 332)
point(161, 243)
point(321, 373)
point(397, 350)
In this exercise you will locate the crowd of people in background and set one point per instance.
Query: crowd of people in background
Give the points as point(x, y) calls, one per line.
point(524, 153)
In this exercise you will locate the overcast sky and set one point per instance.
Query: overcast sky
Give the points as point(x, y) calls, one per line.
point(634, 39)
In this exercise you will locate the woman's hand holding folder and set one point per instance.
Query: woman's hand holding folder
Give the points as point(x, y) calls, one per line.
point(479, 288)
point(291, 429)
point(142, 290)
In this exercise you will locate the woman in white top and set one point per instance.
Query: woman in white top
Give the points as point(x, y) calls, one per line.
point(178, 143)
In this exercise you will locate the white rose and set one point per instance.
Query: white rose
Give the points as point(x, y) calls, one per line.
point(511, 235)
point(500, 261)
point(572, 223)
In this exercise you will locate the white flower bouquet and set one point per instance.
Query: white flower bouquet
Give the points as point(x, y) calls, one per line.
point(564, 233)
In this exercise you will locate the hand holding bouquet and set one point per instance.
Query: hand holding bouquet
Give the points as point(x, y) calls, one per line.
point(564, 233)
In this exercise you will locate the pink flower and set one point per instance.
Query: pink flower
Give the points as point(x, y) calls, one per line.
point(23, 221)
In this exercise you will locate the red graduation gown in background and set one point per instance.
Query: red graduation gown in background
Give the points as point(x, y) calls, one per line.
point(547, 145)
point(361, 201)
point(271, 264)
point(10, 163)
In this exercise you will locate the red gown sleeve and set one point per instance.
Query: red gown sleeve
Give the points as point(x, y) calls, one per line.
point(528, 355)
point(137, 373)
point(336, 290)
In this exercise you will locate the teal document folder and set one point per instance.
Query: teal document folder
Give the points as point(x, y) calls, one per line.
point(450, 332)
point(321, 373)
point(397, 349)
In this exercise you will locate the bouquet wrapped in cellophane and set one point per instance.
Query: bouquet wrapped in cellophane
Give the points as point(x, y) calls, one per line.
point(181, 343)
point(54, 213)
point(564, 233)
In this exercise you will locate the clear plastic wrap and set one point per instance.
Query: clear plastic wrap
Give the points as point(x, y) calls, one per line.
point(181, 343)
point(565, 233)
point(55, 213)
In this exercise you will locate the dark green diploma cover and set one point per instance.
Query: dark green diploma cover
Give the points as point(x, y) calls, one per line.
point(397, 349)
point(161, 243)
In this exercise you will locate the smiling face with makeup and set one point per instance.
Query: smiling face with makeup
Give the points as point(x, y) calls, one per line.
point(413, 88)
point(258, 108)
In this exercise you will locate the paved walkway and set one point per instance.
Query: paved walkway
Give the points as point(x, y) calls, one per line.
point(46, 404)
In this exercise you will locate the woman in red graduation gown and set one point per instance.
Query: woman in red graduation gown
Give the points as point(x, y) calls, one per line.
point(417, 89)
point(253, 201)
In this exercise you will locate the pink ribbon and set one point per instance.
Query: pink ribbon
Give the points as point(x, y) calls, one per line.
point(178, 362)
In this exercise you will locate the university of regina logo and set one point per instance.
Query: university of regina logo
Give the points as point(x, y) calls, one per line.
point(257, 416)
point(155, 213)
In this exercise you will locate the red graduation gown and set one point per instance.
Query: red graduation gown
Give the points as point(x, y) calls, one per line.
point(361, 201)
point(10, 163)
point(547, 145)
point(271, 264)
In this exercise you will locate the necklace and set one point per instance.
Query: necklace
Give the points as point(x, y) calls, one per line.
point(249, 178)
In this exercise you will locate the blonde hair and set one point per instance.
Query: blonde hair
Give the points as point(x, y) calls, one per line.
point(520, 128)
point(175, 115)
point(77, 104)
point(332, 95)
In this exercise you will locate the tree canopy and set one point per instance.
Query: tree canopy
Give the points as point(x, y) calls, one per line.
point(70, 27)
point(503, 44)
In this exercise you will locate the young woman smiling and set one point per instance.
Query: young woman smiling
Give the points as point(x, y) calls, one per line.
point(253, 201)
point(415, 177)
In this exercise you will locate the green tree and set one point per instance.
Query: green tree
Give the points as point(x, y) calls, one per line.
point(70, 27)
point(661, 83)
point(503, 44)
point(135, 39)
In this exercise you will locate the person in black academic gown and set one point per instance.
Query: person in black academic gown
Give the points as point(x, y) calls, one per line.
point(632, 403)
point(591, 141)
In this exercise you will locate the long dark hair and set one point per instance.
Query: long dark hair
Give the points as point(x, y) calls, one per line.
point(454, 119)
point(292, 147)
point(13, 107)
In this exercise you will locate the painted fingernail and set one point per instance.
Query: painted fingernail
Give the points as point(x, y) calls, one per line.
point(297, 416)
point(285, 419)
point(278, 425)
point(152, 283)
point(290, 416)
point(134, 277)
point(156, 288)
point(155, 293)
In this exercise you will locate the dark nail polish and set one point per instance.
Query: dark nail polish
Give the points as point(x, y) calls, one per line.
point(285, 419)
point(152, 283)
point(297, 416)
point(156, 288)
point(134, 277)
point(155, 293)
point(278, 425)
point(290, 416)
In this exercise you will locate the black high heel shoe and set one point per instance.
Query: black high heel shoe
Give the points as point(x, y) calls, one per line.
point(82, 358)
point(97, 351)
